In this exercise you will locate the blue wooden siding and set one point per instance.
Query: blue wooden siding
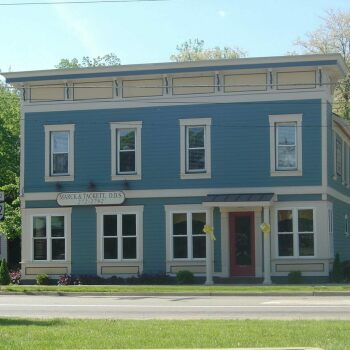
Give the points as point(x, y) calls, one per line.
point(341, 242)
point(337, 182)
point(240, 146)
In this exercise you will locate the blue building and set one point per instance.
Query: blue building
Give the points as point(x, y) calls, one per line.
point(121, 168)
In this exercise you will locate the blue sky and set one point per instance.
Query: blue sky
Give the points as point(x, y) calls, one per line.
point(36, 37)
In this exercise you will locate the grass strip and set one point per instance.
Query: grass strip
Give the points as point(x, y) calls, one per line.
point(16, 334)
point(178, 288)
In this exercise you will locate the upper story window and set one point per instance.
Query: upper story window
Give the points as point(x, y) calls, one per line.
point(195, 148)
point(59, 152)
point(126, 150)
point(339, 157)
point(285, 145)
point(295, 230)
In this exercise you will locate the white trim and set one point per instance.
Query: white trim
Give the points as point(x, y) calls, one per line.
point(186, 209)
point(203, 122)
point(324, 143)
point(167, 100)
point(114, 126)
point(193, 192)
point(338, 195)
point(60, 127)
point(141, 67)
point(119, 210)
point(286, 118)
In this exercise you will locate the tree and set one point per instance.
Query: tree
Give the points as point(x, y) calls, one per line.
point(9, 135)
point(333, 36)
point(4, 273)
point(194, 50)
point(110, 59)
point(9, 160)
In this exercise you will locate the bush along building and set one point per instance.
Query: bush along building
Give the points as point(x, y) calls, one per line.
point(122, 168)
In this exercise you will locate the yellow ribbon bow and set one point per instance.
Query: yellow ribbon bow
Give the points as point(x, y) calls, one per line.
point(209, 230)
point(265, 228)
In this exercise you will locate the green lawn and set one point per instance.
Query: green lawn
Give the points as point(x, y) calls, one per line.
point(111, 334)
point(179, 288)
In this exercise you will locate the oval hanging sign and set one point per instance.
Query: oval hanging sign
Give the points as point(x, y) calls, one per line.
point(65, 199)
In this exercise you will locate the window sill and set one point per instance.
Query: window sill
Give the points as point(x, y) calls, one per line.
point(126, 177)
point(195, 176)
point(286, 173)
point(59, 178)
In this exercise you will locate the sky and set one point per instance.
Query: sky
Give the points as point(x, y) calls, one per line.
point(36, 37)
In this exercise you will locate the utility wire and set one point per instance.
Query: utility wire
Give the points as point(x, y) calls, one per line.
point(86, 2)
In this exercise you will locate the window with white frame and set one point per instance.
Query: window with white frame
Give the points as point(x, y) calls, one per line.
point(126, 150)
point(339, 157)
point(187, 237)
point(49, 237)
point(346, 225)
point(59, 152)
point(195, 148)
point(330, 232)
point(285, 145)
point(119, 234)
point(296, 232)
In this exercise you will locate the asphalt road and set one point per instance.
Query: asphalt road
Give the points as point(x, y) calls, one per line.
point(169, 307)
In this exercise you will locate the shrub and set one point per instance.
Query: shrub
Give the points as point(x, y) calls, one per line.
point(42, 279)
point(67, 280)
point(346, 270)
point(15, 277)
point(295, 277)
point(184, 277)
point(338, 271)
point(4, 273)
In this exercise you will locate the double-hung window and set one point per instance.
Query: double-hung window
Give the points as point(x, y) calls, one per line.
point(49, 237)
point(59, 152)
point(187, 237)
point(296, 232)
point(195, 148)
point(126, 150)
point(119, 234)
point(285, 145)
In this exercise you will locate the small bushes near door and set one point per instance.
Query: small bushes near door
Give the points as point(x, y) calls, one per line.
point(15, 276)
point(4, 273)
point(42, 279)
point(185, 277)
point(295, 277)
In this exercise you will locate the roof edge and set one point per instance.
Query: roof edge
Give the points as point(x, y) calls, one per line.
point(26, 75)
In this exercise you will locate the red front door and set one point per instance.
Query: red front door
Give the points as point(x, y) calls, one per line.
point(242, 244)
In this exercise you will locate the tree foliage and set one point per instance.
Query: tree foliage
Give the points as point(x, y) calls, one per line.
point(110, 59)
point(194, 50)
point(9, 160)
point(333, 36)
point(4, 273)
point(9, 135)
